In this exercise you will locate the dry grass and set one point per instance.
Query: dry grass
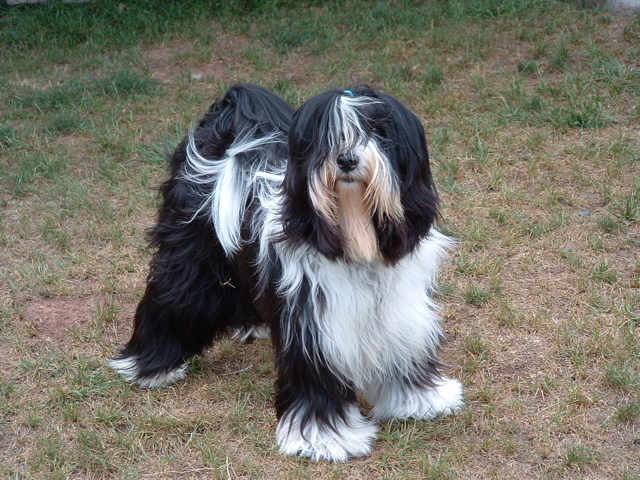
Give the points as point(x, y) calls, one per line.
point(532, 116)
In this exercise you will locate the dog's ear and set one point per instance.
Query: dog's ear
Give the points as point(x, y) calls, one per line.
point(302, 223)
point(406, 147)
point(309, 146)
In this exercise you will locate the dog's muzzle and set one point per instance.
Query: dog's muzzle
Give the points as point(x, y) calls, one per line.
point(347, 162)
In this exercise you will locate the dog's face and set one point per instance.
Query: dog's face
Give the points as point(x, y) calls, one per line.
point(358, 185)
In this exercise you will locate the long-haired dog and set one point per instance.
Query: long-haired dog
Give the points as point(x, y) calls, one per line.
point(315, 227)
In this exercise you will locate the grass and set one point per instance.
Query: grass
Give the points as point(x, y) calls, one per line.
point(531, 111)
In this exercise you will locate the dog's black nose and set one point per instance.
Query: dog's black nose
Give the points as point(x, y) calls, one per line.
point(347, 162)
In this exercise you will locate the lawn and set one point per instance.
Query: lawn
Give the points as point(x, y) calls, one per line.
point(532, 114)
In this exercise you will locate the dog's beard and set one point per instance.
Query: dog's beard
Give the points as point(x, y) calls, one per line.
point(351, 201)
point(354, 218)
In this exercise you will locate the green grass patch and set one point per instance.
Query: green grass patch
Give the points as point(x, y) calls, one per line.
point(81, 92)
point(579, 456)
point(101, 25)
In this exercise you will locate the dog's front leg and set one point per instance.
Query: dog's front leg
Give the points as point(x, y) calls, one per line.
point(317, 411)
point(405, 399)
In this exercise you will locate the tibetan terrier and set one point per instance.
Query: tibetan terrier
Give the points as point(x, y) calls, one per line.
point(314, 227)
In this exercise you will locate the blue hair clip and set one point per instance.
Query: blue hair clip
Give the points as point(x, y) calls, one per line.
point(348, 92)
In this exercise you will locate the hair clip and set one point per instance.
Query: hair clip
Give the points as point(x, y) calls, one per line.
point(348, 92)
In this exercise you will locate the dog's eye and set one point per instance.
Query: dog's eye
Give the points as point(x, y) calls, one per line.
point(376, 130)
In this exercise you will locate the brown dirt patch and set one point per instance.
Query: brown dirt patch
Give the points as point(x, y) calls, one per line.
point(224, 61)
point(168, 62)
point(53, 317)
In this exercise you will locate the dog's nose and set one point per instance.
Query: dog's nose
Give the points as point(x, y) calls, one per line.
point(347, 162)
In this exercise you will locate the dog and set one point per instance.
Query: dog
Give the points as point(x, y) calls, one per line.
point(314, 227)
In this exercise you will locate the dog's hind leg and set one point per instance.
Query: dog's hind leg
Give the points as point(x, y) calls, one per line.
point(200, 284)
point(191, 295)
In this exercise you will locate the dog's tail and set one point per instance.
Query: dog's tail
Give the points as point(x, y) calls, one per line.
point(237, 151)
point(193, 292)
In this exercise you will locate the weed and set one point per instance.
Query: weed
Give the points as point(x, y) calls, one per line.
point(8, 135)
point(539, 50)
point(477, 357)
point(66, 122)
point(587, 114)
point(610, 224)
point(577, 396)
point(603, 272)
point(617, 76)
point(449, 168)
point(310, 32)
point(82, 92)
point(624, 375)
point(432, 76)
point(437, 468)
point(33, 167)
point(579, 456)
point(500, 216)
point(628, 209)
point(528, 67)
point(92, 453)
point(559, 56)
point(628, 412)
point(572, 258)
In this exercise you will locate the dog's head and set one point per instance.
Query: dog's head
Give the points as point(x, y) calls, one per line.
point(358, 185)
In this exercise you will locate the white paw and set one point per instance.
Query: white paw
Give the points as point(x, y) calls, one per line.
point(249, 333)
point(447, 397)
point(392, 401)
point(347, 439)
point(127, 367)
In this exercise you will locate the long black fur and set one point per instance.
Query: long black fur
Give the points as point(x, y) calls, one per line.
point(386, 118)
point(194, 292)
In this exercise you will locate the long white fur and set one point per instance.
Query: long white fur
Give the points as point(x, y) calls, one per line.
point(353, 437)
point(128, 368)
point(370, 334)
point(382, 324)
point(231, 184)
point(393, 401)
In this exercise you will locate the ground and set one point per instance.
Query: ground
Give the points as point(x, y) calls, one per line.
point(531, 112)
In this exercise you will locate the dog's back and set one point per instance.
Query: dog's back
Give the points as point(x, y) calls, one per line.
point(238, 151)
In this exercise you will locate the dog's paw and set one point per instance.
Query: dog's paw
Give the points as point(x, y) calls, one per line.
point(446, 398)
point(249, 333)
point(418, 402)
point(128, 368)
point(343, 439)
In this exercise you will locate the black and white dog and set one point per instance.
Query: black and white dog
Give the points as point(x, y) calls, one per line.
point(315, 227)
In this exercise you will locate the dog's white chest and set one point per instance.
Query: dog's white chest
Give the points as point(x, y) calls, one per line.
point(370, 322)
point(377, 322)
